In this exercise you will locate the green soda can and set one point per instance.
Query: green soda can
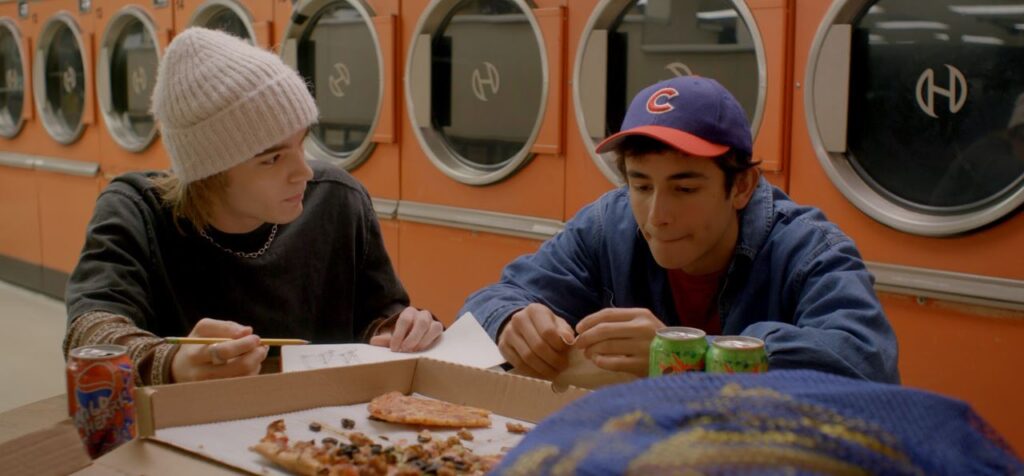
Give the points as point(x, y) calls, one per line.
point(676, 350)
point(737, 354)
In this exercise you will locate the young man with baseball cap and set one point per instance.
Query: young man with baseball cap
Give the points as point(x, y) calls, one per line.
point(696, 238)
point(243, 236)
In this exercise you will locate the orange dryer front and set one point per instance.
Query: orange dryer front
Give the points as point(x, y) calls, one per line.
point(16, 106)
point(909, 133)
point(20, 250)
point(64, 140)
point(132, 39)
point(483, 169)
point(248, 19)
point(346, 50)
point(619, 47)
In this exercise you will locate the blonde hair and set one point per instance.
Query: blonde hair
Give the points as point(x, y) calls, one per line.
point(190, 202)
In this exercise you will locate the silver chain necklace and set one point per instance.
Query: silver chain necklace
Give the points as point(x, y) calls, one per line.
point(242, 254)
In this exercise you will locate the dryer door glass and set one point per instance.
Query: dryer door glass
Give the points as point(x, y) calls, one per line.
point(487, 80)
point(654, 40)
point(936, 105)
point(64, 77)
point(226, 20)
point(12, 89)
point(338, 55)
point(133, 66)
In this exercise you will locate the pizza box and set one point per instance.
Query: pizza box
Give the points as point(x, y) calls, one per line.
point(226, 401)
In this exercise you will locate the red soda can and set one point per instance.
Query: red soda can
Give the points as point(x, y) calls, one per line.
point(101, 385)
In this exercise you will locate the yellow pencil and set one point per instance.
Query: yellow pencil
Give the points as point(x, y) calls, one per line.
point(214, 340)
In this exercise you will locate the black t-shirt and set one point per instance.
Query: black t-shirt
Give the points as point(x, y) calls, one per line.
point(325, 277)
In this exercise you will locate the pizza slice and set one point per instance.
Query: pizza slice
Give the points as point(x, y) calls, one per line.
point(397, 408)
point(299, 458)
point(362, 456)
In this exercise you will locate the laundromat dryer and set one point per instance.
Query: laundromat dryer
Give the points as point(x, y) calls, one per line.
point(64, 139)
point(909, 133)
point(16, 98)
point(347, 51)
point(132, 39)
point(20, 248)
point(483, 163)
point(251, 20)
point(619, 47)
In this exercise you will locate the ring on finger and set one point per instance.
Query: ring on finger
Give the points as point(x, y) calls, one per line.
point(215, 358)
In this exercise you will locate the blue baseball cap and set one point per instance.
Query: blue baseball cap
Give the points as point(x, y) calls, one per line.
point(695, 115)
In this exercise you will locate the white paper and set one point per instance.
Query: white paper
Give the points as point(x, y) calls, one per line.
point(465, 342)
point(229, 441)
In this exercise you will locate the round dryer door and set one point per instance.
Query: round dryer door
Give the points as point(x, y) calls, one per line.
point(917, 110)
point(476, 86)
point(126, 75)
point(59, 78)
point(12, 90)
point(334, 46)
point(631, 44)
point(225, 15)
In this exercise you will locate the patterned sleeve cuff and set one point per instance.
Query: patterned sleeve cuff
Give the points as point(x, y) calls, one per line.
point(150, 356)
point(84, 327)
point(160, 372)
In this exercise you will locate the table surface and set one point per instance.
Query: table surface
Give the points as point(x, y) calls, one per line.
point(35, 416)
point(136, 457)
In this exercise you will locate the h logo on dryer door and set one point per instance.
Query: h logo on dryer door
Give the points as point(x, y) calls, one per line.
point(492, 81)
point(139, 84)
point(337, 82)
point(956, 94)
point(11, 80)
point(70, 80)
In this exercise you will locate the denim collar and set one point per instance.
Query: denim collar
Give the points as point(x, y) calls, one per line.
point(756, 220)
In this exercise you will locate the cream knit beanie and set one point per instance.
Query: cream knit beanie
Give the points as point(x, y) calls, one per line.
point(220, 101)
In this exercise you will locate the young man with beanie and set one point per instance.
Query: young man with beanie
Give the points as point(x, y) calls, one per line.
point(243, 237)
point(696, 238)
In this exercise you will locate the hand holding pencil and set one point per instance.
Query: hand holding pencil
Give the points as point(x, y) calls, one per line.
point(223, 349)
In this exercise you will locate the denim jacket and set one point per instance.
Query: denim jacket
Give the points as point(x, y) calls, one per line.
point(795, 281)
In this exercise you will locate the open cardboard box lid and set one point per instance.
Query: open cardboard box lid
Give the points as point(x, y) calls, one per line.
point(167, 406)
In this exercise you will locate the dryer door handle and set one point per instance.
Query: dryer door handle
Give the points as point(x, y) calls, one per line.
point(17, 161)
point(384, 130)
point(28, 104)
point(67, 167)
point(552, 22)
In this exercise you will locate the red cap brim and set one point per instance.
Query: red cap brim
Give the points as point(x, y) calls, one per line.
point(684, 141)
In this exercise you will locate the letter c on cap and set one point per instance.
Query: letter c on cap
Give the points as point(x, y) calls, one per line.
point(656, 107)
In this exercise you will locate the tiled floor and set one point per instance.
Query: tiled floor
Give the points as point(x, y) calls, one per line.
point(31, 363)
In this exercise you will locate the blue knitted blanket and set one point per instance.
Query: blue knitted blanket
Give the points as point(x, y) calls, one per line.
point(781, 422)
